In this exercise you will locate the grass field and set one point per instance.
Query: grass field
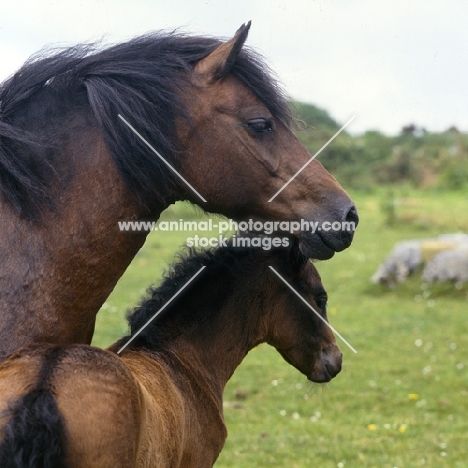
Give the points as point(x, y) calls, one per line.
point(401, 401)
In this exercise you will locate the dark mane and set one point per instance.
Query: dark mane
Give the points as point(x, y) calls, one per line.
point(225, 263)
point(202, 298)
point(144, 80)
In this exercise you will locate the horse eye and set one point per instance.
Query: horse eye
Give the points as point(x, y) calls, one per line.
point(260, 125)
point(321, 302)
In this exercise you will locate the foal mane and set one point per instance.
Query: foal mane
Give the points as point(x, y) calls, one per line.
point(143, 79)
point(223, 263)
point(223, 266)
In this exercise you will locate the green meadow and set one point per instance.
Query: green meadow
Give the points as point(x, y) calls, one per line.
point(400, 401)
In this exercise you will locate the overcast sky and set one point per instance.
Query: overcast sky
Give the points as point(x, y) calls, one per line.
point(390, 63)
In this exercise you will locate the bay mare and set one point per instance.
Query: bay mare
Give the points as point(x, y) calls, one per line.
point(159, 403)
point(70, 169)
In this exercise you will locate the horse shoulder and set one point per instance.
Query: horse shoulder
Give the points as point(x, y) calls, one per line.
point(179, 429)
point(164, 417)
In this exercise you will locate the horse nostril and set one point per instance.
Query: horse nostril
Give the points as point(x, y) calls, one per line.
point(334, 365)
point(333, 359)
point(352, 216)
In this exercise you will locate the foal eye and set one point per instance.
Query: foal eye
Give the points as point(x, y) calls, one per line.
point(260, 125)
point(321, 302)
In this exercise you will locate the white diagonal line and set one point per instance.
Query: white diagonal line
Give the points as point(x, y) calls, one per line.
point(312, 158)
point(311, 308)
point(159, 156)
point(161, 309)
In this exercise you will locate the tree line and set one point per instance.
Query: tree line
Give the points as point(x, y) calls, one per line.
point(414, 157)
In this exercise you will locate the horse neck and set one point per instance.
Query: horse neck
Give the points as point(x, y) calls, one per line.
point(211, 352)
point(59, 271)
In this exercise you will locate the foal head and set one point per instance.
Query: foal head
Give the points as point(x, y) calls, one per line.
point(237, 302)
point(294, 329)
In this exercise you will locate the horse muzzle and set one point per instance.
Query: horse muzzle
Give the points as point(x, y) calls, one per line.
point(325, 238)
point(328, 365)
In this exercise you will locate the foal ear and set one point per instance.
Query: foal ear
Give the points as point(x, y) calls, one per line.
point(296, 258)
point(219, 63)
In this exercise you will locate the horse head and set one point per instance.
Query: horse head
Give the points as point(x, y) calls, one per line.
point(241, 152)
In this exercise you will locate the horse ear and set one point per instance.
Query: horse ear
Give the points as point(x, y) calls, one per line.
point(220, 62)
point(296, 258)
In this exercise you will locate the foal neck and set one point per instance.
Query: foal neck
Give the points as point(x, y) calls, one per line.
point(214, 350)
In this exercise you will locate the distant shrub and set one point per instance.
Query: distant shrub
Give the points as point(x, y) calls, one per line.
point(414, 157)
point(455, 175)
